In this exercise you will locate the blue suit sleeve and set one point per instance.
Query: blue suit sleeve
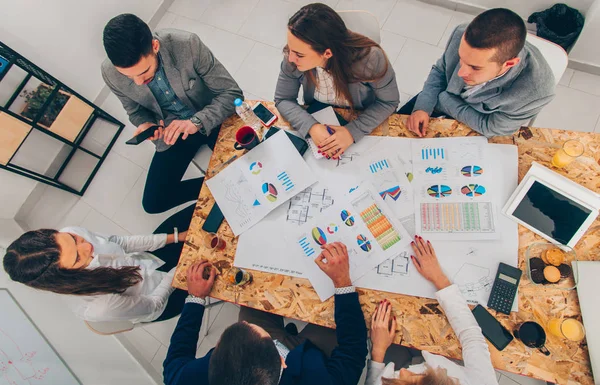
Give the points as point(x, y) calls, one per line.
point(184, 341)
point(348, 359)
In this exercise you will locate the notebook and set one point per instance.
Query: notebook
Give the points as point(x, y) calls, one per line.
point(325, 116)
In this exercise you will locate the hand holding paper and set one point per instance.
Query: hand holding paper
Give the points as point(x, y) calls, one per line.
point(333, 261)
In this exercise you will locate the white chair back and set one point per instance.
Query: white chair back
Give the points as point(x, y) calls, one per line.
point(362, 22)
point(555, 55)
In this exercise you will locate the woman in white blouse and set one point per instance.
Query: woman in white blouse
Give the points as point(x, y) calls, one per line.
point(111, 278)
point(438, 370)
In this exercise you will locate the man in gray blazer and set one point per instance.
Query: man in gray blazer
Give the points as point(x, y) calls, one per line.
point(489, 78)
point(170, 79)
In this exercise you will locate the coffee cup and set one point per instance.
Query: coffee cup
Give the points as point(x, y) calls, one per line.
point(533, 335)
point(246, 139)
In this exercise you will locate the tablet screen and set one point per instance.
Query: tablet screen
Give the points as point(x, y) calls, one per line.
point(551, 213)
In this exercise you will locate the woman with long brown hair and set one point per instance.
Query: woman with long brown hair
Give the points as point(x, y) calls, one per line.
point(113, 278)
point(477, 366)
point(338, 67)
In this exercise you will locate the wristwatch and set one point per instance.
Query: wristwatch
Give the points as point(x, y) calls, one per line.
point(198, 123)
point(193, 299)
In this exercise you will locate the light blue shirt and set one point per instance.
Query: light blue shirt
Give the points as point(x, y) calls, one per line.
point(165, 96)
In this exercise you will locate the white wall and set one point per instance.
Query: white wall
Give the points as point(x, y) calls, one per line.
point(587, 50)
point(63, 37)
point(95, 359)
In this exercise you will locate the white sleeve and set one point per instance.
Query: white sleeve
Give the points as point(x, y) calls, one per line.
point(375, 372)
point(476, 355)
point(117, 307)
point(138, 243)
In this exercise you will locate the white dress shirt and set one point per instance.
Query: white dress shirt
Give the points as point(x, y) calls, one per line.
point(143, 302)
point(477, 369)
point(325, 90)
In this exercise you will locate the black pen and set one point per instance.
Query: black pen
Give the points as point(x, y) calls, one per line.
point(219, 167)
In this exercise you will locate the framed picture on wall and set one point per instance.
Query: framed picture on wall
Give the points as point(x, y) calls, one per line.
point(26, 356)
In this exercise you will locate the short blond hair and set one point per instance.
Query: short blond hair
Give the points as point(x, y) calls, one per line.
point(431, 376)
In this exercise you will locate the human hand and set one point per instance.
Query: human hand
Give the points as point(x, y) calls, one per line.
point(418, 122)
point(179, 127)
point(336, 144)
point(427, 263)
point(318, 133)
point(382, 330)
point(333, 261)
point(198, 284)
point(144, 126)
point(181, 236)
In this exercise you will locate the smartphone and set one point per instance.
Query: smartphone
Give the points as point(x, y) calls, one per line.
point(491, 328)
point(266, 117)
point(148, 133)
point(214, 220)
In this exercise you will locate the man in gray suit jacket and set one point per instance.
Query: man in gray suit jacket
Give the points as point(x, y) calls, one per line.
point(170, 79)
point(489, 78)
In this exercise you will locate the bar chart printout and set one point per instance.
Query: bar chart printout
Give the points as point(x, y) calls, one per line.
point(462, 217)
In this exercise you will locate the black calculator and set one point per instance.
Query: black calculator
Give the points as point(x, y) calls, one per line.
point(505, 288)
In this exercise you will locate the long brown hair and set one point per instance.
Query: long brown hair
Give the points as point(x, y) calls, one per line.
point(33, 260)
point(431, 376)
point(321, 27)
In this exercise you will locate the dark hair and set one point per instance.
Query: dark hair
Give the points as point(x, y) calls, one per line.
point(321, 27)
point(33, 260)
point(244, 357)
point(127, 39)
point(498, 28)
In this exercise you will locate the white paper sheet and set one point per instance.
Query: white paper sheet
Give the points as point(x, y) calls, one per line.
point(452, 182)
point(364, 223)
point(260, 181)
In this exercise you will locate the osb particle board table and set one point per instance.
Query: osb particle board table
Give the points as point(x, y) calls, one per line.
point(422, 323)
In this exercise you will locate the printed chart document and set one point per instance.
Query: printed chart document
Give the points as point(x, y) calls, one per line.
point(260, 181)
point(364, 223)
point(454, 199)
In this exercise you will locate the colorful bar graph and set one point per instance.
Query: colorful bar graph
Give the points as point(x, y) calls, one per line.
point(379, 166)
point(306, 247)
point(381, 228)
point(432, 153)
point(466, 217)
point(285, 181)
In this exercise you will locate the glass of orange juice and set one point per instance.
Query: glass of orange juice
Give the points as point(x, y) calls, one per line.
point(568, 328)
point(570, 150)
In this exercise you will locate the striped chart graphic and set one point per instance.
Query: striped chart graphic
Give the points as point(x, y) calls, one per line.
point(378, 166)
point(306, 247)
point(285, 181)
point(380, 227)
point(432, 153)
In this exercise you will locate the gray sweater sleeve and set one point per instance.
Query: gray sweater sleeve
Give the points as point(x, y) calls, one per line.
point(286, 99)
point(495, 124)
point(436, 82)
point(387, 96)
point(219, 81)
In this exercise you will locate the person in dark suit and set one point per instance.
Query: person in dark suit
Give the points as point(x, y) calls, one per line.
point(170, 79)
point(247, 354)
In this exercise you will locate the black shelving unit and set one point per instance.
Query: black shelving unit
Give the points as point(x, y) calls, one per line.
point(49, 132)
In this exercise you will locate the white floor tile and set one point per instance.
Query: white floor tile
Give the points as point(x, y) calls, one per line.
point(112, 183)
point(230, 49)
point(53, 205)
point(498, 375)
point(419, 21)
point(404, 98)
point(159, 358)
point(512, 379)
point(142, 153)
point(258, 73)
point(570, 110)
point(76, 215)
point(268, 22)
point(413, 65)
point(302, 3)
point(586, 82)
point(227, 316)
point(201, 159)
point(597, 130)
point(457, 19)
point(379, 8)
point(566, 78)
point(98, 223)
point(166, 21)
point(189, 8)
point(229, 15)
point(145, 344)
point(207, 344)
point(163, 330)
point(392, 44)
point(131, 215)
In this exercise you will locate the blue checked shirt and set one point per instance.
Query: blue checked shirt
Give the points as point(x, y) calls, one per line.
point(165, 96)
